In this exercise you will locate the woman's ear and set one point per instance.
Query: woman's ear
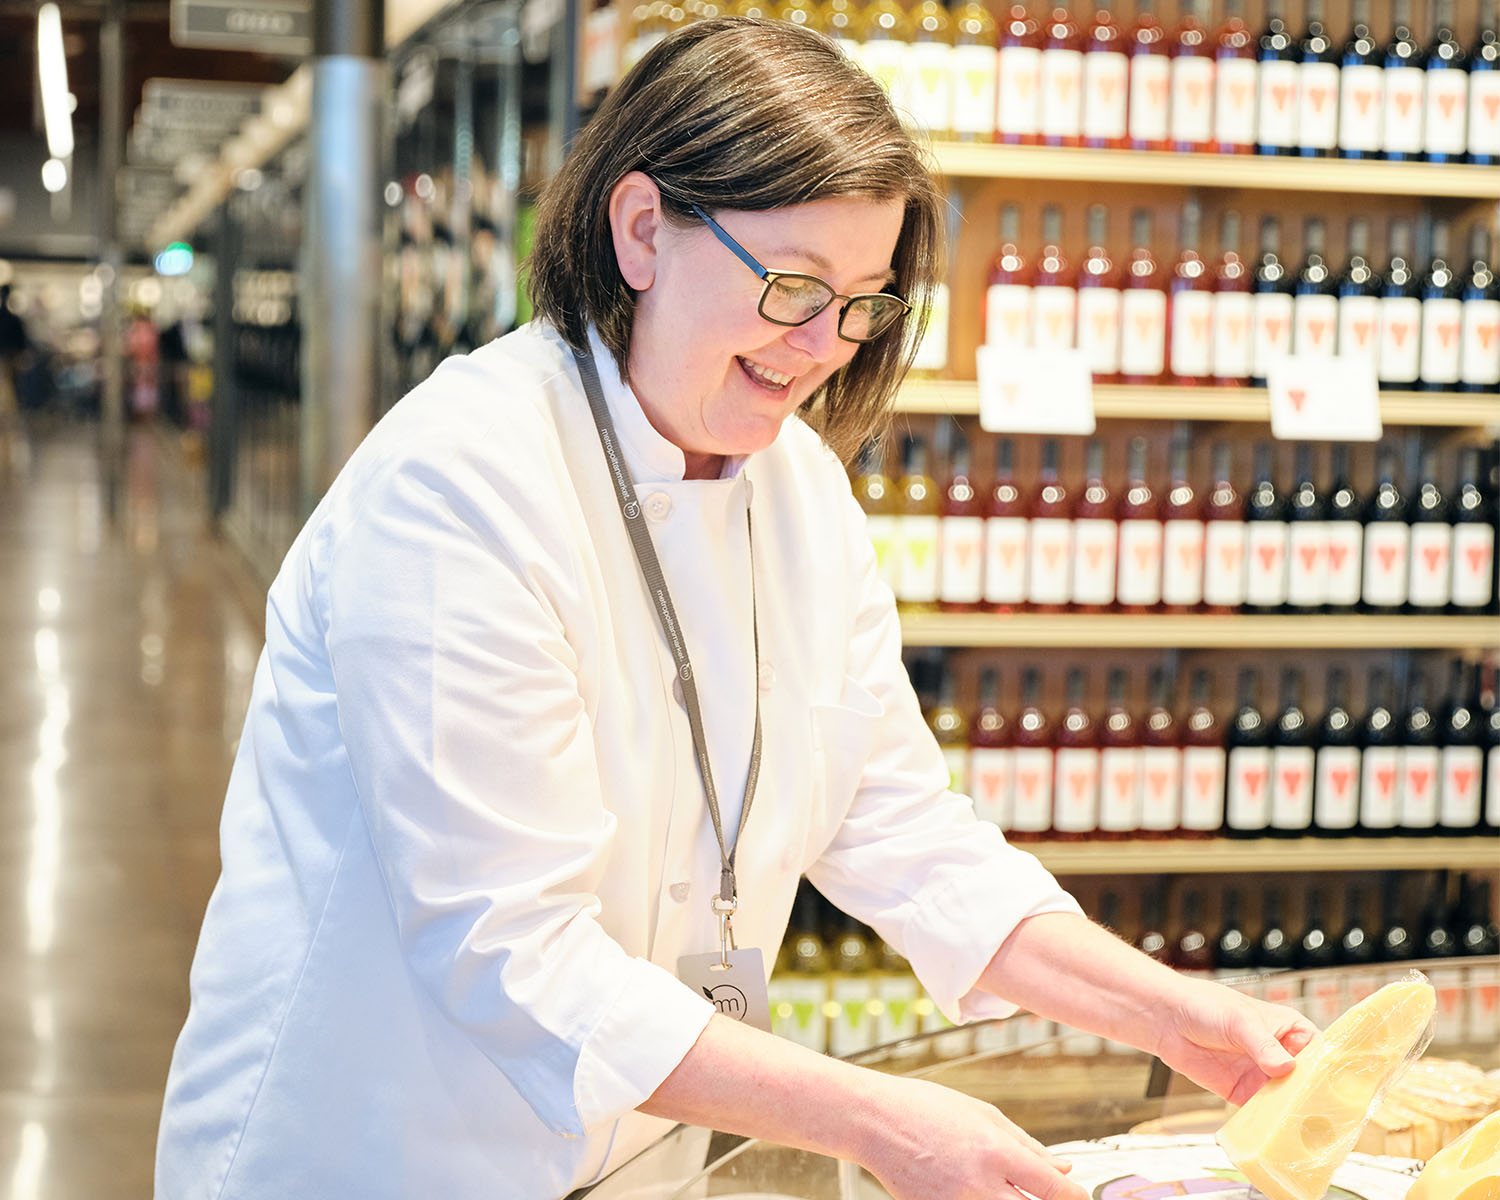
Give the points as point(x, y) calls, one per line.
point(635, 225)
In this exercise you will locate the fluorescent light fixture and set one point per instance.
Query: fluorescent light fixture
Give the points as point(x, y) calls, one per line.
point(52, 70)
point(54, 175)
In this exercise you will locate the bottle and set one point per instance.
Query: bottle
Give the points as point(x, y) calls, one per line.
point(1271, 301)
point(1446, 104)
point(1236, 83)
point(1361, 89)
point(1317, 87)
point(1204, 766)
point(991, 759)
point(1143, 309)
point(1293, 766)
point(1398, 944)
point(1234, 951)
point(1278, 949)
point(961, 536)
point(918, 524)
point(1346, 534)
point(1402, 125)
point(1248, 811)
point(1479, 365)
point(800, 993)
point(1190, 306)
point(1420, 760)
point(1191, 952)
point(1440, 929)
point(1120, 765)
point(1096, 535)
point(1431, 553)
point(1048, 585)
point(1007, 299)
point(1031, 811)
point(1315, 306)
point(1106, 89)
point(1478, 936)
point(1139, 585)
point(930, 68)
point(1358, 949)
point(1358, 291)
point(1438, 939)
point(1233, 309)
point(1151, 939)
point(877, 496)
point(1280, 84)
point(1472, 587)
point(1054, 295)
point(1442, 315)
point(1399, 362)
point(1307, 539)
point(1490, 737)
point(1336, 790)
point(1191, 106)
point(1018, 115)
point(1150, 80)
point(1182, 534)
point(1387, 540)
point(1006, 537)
point(950, 727)
point(852, 986)
point(884, 38)
point(650, 24)
point(1460, 803)
point(1075, 773)
point(976, 71)
point(1317, 949)
point(1161, 760)
point(1380, 758)
point(1224, 538)
point(1266, 538)
point(1061, 79)
point(1099, 301)
point(1484, 88)
point(839, 19)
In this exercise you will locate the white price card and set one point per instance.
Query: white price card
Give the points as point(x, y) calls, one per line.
point(1035, 391)
point(1324, 398)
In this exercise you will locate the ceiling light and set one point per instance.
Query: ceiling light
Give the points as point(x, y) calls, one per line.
point(52, 70)
point(54, 175)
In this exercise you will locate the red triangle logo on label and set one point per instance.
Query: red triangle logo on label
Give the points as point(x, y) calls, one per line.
point(1387, 556)
point(1478, 556)
point(1362, 332)
point(1492, 107)
point(1298, 397)
point(1254, 781)
point(989, 782)
point(1158, 781)
point(1385, 779)
point(1448, 335)
point(1341, 780)
point(1488, 335)
point(1337, 555)
point(1095, 554)
point(1400, 332)
point(1434, 557)
point(1446, 103)
point(1463, 779)
point(1309, 556)
point(1203, 781)
point(1269, 555)
point(1418, 778)
point(1363, 101)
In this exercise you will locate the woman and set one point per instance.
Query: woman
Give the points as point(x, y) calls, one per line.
point(469, 855)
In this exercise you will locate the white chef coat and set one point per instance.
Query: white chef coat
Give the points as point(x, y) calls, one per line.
point(465, 842)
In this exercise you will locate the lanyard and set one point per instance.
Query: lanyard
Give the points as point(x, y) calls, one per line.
point(727, 901)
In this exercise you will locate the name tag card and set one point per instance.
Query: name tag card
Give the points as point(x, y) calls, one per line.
point(1317, 398)
point(1034, 391)
point(737, 991)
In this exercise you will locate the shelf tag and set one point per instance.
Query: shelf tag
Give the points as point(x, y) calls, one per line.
point(1324, 398)
point(1034, 391)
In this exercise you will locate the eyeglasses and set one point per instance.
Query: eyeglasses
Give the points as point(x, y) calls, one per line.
point(793, 298)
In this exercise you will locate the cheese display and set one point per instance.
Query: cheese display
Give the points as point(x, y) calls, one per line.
point(1294, 1133)
point(1469, 1169)
point(1433, 1104)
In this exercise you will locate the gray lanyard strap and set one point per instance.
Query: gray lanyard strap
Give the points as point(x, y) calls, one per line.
point(656, 583)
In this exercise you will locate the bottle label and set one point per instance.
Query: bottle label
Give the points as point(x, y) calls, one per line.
point(1053, 317)
point(1007, 316)
point(1150, 97)
point(1400, 339)
point(1273, 329)
point(1315, 324)
point(957, 760)
point(1447, 112)
point(1161, 788)
point(1182, 562)
point(1249, 807)
point(1192, 99)
point(1421, 782)
point(1032, 794)
point(1484, 112)
point(1280, 86)
point(884, 534)
point(1484, 1003)
point(920, 562)
point(1140, 562)
point(1234, 102)
point(1387, 547)
point(1442, 340)
point(1105, 95)
point(1095, 543)
point(1062, 93)
point(1143, 332)
point(991, 777)
point(1451, 1019)
point(1345, 548)
point(1380, 787)
point(853, 1028)
point(899, 1017)
point(932, 350)
point(1492, 786)
point(1292, 773)
point(886, 59)
point(1360, 986)
point(1361, 107)
point(1336, 794)
point(1005, 560)
point(1403, 124)
point(1463, 771)
point(1203, 770)
point(1192, 333)
point(1323, 998)
point(797, 1009)
point(1076, 785)
point(975, 79)
point(1099, 328)
point(1120, 789)
point(1020, 90)
point(1318, 98)
point(1233, 321)
point(930, 67)
point(1265, 563)
point(1307, 579)
point(1480, 360)
point(1359, 327)
point(1224, 564)
point(962, 578)
point(1051, 554)
point(1473, 564)
point(1431, 560)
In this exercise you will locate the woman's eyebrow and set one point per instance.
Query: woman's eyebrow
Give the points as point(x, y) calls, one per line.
point(812, 256)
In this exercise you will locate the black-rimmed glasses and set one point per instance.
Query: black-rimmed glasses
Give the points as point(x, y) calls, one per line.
point(795, 298)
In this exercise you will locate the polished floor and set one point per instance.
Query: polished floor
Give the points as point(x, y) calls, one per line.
point(126, 653)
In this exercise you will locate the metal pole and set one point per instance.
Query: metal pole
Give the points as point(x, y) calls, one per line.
point(223, 425)
point(341, 246)
point(111, 347)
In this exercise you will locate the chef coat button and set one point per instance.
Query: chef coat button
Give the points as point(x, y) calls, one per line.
point(658, 506)
point(680, 891)
point(767, 677)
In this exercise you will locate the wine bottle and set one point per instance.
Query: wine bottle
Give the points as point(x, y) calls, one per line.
point(1346, 534)
point(1358, 949)
point(1266, 537)
point(1048, 585)
point(1096, 534)
point(1460, 801)
point(1484, 88)
point(1224, 538)
point(1248, 811)
point(976, 73)
point(1031, 810)
point(1151, 940)
point(1007, 299)
point(1006, 536)
point(1398, 943)
point(991, 759)
point(1191, 106)
point(1271, 299)
point(884, 38)
point(1054, 294)
point(1099, 301)
point(1473, 585)
point(1399, 364)
point(1150, 80)
point(1318, 948)
point(877, 496)
point(1446, 104)
point(1203, 763)
point(1431, 555)
point(1182, 534)
point(1490, 738)
point(1405, 88)
point(839, 20)
point(1336, 792)
point(1387, 540)
point(1479, 366)
point(1233, 309)
point(1191, 306)
point(1442, 315)
point(1106, 87)
point(1478, 936)
point(1277, 949)
point(1358, 291)
point(918, 523)
point(800, 994)
point(1161, 760)
point(1380, 777)
point(950, 727)
point(1236, 83)
point(1420, 760)
point(1315, 306)
point(1361, 89)
point(852, 985)
point(1280, 83)
point(1191, 952)
point(1075, 812)
point(1061, 79)
point(1018, 114)
point(1234, 951)
point(1293, 765)
point(1143, 309)
point(1307, 538)
point(1139, 585)
point(961, 570)
point(931, 68)
point(1317, 87)
point(1120, 764)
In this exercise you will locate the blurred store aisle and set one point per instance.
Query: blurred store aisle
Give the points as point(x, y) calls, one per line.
point(125, 664)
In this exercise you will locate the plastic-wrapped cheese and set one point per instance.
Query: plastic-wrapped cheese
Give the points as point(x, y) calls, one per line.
point(1468, 1169)
point(1295, 1132)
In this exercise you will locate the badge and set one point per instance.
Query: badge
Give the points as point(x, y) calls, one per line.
point(737, 991)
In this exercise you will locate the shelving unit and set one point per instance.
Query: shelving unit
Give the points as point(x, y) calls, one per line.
point(1215, 855)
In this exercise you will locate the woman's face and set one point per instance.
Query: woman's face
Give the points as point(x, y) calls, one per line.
point(714, 377)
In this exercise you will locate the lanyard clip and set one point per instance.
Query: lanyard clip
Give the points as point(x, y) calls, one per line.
point(725, 910)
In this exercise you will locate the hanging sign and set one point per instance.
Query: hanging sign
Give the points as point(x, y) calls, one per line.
point(282, 28)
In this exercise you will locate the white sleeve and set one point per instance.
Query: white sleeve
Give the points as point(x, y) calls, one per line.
point(910, 858)
point(473, 755)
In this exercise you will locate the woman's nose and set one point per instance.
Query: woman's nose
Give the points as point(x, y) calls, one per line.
point(819, 338)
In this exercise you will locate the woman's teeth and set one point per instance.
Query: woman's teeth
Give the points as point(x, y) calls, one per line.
point(765, 374)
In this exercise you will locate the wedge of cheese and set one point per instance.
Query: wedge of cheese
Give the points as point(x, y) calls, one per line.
point(1296, 1131)
point(1469, 1169)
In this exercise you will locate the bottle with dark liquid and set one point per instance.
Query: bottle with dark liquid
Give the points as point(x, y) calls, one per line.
point(1138, 588)
point(1271, 301)
point(1398, 942)
point(1421, 760)
point(1191, 306)
point(1235, 89)
point(1358, 291)
point(1380, 758)
point(1224, 538)
point(1150, 80)
point(1234, 309)
point(1051, 535)
point(1387, 540)
point(1307, 538)
point(1182, 534)
point(918, 521)
point(1441, 291)
point(1248, 811)
point(1361, 88)
point(1106, 85)
point(1438, 937)
point(1318, 87)
point(1293, 763)
point(1478, 936)
point(1399, 362)
point(1462, 762)
point(1192, 952)
point(1234, 950)
point(1490, 738)
point(1473, 586)
point(1479, 365)
point(1277, 950)
point(1191, 120)
point(1446, 104)
point(1099, 301)
point(1031, 812)
point(1151, 940)
point(1346, 534)
point(1280, 85)
point(961, 571)
point(1266, 538)
point(1315, 305)
point(991, 760)
point(1484, 88)
point(1405, 90)
point(1096, 536)
point(1336, 792)
point(1054, 294)
point(1143, 309)
point(1203, 763)
point(1429, 582)
point(1120, 765)
point(1359, 948)
point(1316, 949)
point(1075, 814)
point(1161, 760)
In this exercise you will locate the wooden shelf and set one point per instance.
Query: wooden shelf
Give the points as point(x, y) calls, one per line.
point(1199, 631)
point(1267, 854)
point(979, 161)
point(1111, 401)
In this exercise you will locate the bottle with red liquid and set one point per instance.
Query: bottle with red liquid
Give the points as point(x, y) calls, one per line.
point(1007, 299)
point(1006, 536)
point(1062, 79)
point(1192, 103)
point(991, 765)
point(961, 573)
point(1236, 83)
point(1018, 114)
point(1203, 763)
point(1106, 76)
point(1161, 761)
point(1182, 534)
point(1224, 538)
point(1075, 812)
point(1190, 306)
point(1234, 310)
point(1150, 80)
point(1054, 298)
point(1099, 301)
point(1139, 585)
point(1096, 534)
point(1049, 588)
point(1119, 764)
point(1143, 309)
point(1031, 812)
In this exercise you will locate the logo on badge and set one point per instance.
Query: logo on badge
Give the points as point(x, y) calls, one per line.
point(632, 510)
point(728, 1000)
point(686, 671)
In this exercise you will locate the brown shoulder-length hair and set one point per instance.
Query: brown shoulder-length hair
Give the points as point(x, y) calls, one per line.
point(747, 114)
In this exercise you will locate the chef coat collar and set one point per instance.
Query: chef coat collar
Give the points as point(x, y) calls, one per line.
point(652, 458)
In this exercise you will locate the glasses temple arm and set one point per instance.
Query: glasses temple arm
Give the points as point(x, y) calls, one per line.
point(738, 251)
